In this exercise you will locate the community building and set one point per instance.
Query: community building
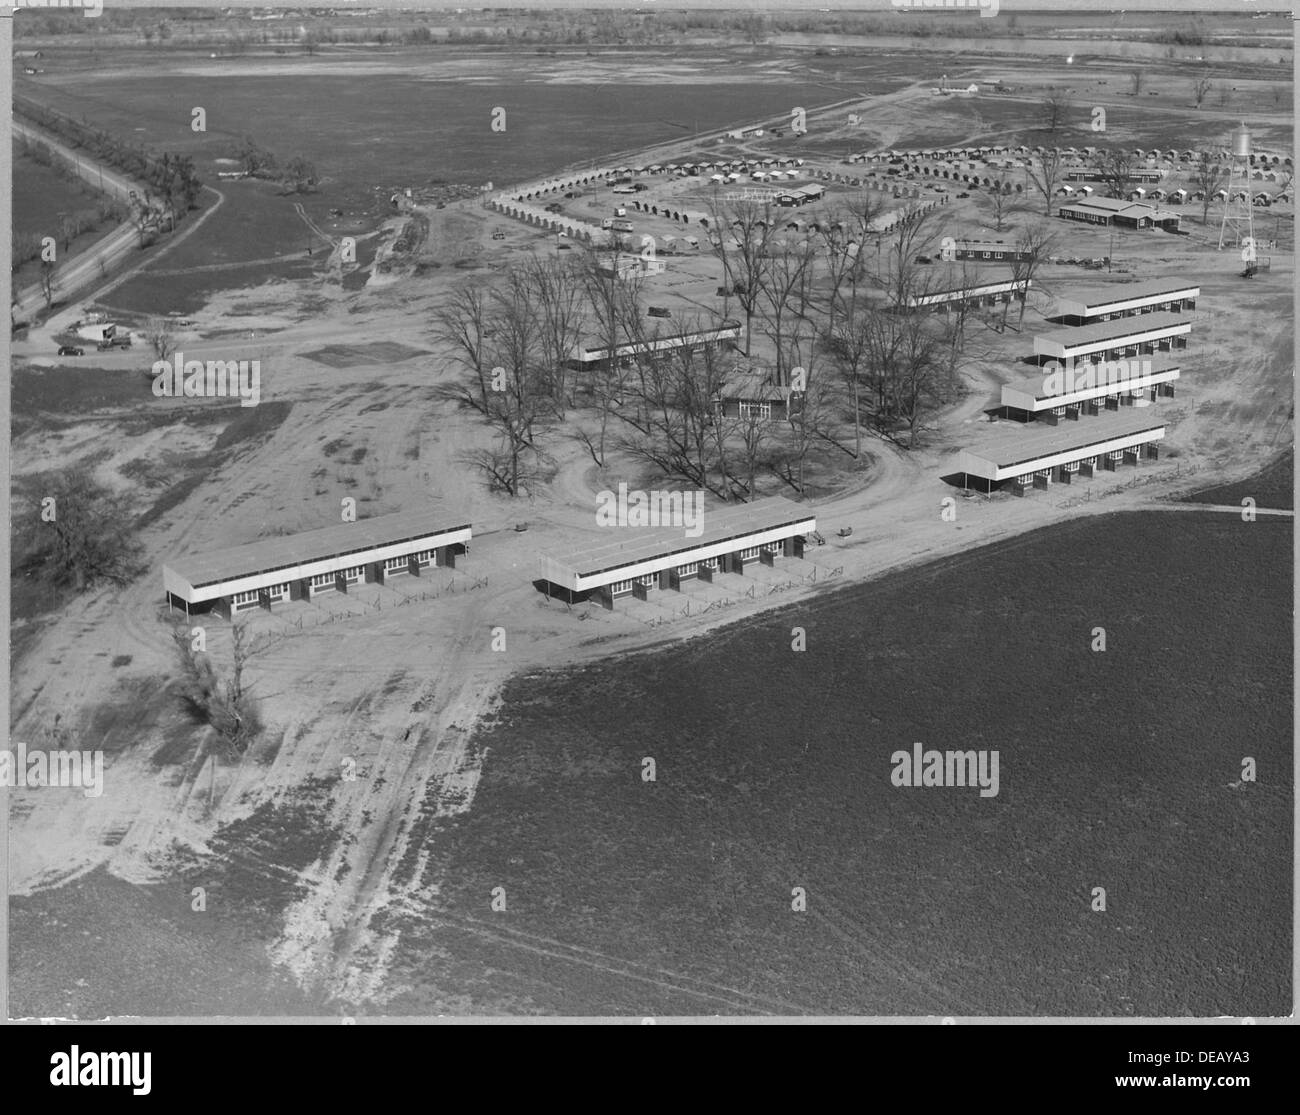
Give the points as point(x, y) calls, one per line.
point(1120, 212)
point(801, 196)
point(656, 348)
point(1085, 307)
point(624, 265)
point(759, 395)
point(1038, 455)
point(1088, 389)
point(302, 566)
point(1112, 340)
point(634, 561)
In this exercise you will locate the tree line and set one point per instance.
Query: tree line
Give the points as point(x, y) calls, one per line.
point(169, 178)
point(26, 245)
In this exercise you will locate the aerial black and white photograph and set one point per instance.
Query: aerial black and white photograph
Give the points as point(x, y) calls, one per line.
point(651, 512)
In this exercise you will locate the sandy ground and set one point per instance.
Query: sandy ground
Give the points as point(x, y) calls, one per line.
point(395, 678)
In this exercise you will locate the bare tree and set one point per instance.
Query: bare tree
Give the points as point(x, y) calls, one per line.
point(849, 346)
point(47, 282)
point(753, 431)
point(1208, 176)
point(1046, 174)
point(741, 244)
point(1200, 87)
point(808, 412)
point(673, 430)
point(1137, 81)
point(79, 536)
point(918, 361)
point(1033, 248)
point(557, 289)
point(611, 298)
point(1114, 171)
point(226, 704)
point(908, 240)
point(69, 227)
point(1055, 108)
point(161, 335)
point(1003, 202)
point(463, 323)
point(142, 217)
point(786, 293)
point(840, 244)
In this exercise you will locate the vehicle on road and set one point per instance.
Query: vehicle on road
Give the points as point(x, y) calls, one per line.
point(71, 350)
point(115, 342)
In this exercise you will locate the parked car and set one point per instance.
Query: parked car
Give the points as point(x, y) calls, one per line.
point(71, 350)
point(962, 195)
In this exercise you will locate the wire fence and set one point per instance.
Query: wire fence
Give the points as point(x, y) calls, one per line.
point(326, 617)
point(756, 590)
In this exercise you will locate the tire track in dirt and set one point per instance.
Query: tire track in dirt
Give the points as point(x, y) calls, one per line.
point(342, 953)
point(663, 978)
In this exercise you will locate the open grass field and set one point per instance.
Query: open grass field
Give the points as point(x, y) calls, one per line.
point(41, 194)
point(365, 129)
point(1118, 769)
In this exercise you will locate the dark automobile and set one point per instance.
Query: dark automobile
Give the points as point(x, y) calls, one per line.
point(71, 350)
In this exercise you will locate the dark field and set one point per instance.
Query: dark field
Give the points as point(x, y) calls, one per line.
point(367, 133)
point(41, 194)
point(1273, 487)
point(365, 130)
point(1118, 769)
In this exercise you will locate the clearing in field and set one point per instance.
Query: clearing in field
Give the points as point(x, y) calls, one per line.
point(356, 356)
